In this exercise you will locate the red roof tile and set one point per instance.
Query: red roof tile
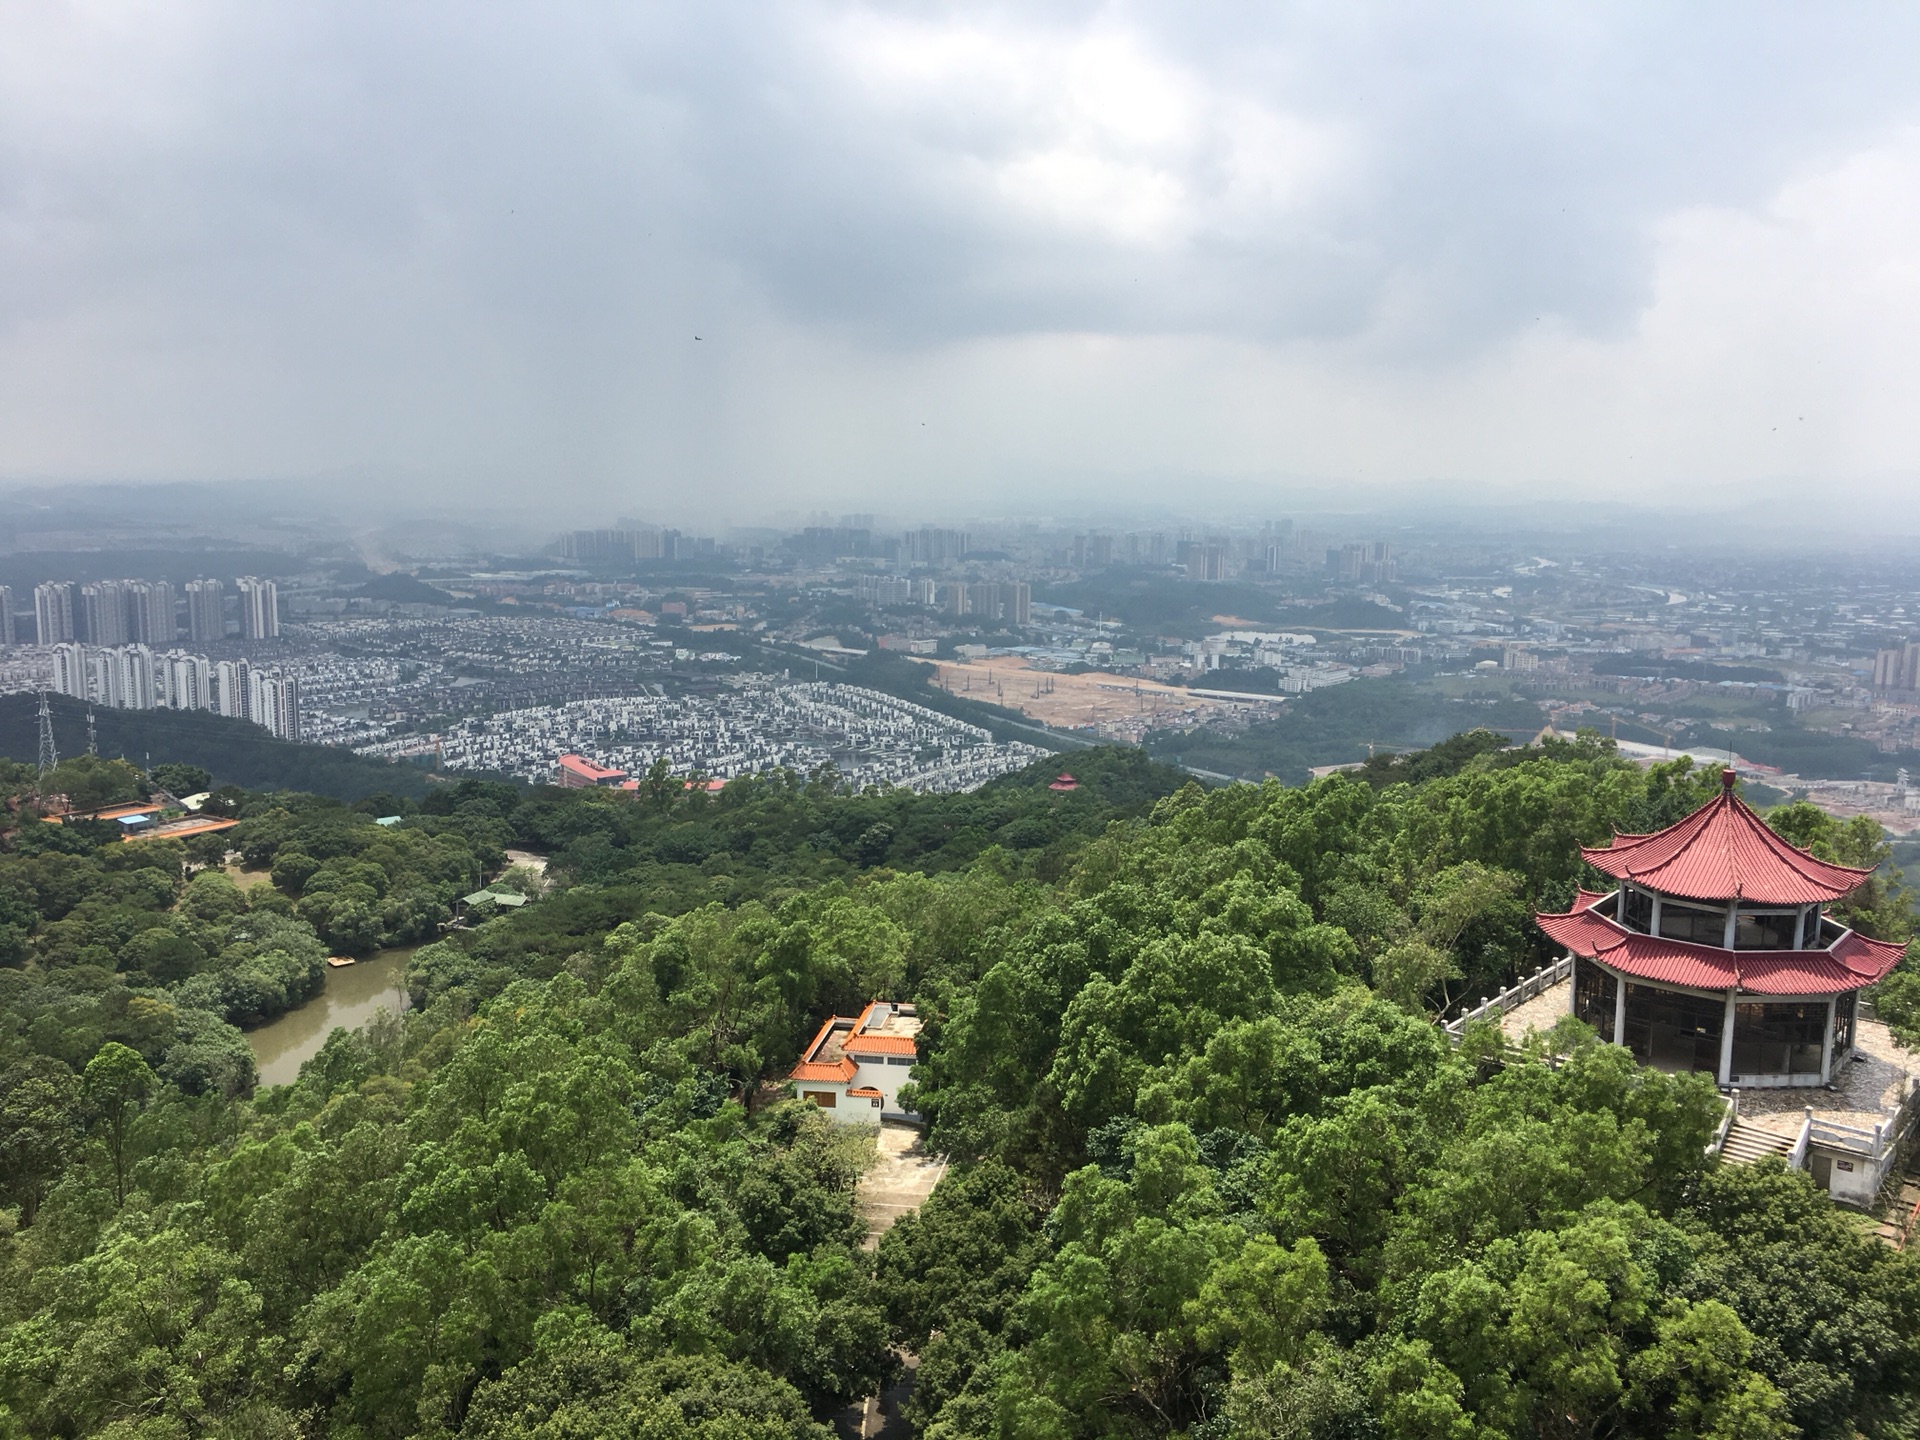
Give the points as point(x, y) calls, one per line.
point(1850, 963)
point(1723, 851)
point(865, 1092)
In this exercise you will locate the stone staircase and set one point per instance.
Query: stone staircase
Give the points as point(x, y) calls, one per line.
point(1748, 1143)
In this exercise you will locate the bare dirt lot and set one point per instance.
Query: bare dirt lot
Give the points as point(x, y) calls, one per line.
point(1073, 702)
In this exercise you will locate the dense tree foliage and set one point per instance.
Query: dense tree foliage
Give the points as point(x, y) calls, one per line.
point(1214, 1171)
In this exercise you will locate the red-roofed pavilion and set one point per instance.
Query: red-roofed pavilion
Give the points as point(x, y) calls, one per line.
point(1713, 953)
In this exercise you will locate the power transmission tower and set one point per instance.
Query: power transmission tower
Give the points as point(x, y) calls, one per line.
point(49, 757)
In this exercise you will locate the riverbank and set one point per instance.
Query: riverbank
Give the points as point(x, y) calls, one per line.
point(353, 995)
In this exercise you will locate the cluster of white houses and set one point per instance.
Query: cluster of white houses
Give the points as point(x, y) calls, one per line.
point(1716, 953)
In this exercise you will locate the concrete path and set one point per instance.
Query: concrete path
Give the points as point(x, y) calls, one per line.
point(902, 1178)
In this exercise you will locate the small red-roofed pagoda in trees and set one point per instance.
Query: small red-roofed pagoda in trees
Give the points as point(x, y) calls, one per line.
point(1714, 953)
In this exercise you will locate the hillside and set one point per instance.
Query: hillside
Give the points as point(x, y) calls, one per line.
point(1211, 1169)
point(235, 752)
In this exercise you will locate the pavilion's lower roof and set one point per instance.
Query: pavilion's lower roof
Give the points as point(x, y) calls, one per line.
point(1849, 963)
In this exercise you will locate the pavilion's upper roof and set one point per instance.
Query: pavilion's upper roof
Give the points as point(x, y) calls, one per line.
point(1723, 851)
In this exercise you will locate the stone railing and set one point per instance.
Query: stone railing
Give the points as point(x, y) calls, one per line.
point(1797, 1157)
point(1513, 997)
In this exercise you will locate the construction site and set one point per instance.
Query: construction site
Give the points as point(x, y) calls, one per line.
point(1114, 706)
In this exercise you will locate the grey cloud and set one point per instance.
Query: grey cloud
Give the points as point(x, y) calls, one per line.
point(475, 238)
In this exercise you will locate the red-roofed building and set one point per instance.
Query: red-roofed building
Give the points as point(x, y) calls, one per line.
point(576, 772)
point(1064, 781)
point(1714, 953)
point(854, 1067)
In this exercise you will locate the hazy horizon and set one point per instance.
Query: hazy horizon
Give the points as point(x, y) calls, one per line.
point(947, 260)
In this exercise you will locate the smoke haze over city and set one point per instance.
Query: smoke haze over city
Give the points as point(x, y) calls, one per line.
point(735, 258)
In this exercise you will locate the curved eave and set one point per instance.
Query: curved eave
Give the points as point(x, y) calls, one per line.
point(1851, 962)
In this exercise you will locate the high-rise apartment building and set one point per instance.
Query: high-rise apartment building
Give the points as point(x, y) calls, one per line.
point(1898, 668)
point(150, 612)
point(931, 546)
point(274, 701)
point(1016, 602)
point(232, 692)
point(53, 613)
point(185, 681)
point(129, 678)
point(104, 607)
point(7, 631)
point(1370, 564)
point(70, 670)
point(259, 608)
point(206, 611)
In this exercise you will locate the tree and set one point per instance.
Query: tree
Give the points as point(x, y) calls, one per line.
point(117, 1082)
point(39, 1129)
point(181, 780)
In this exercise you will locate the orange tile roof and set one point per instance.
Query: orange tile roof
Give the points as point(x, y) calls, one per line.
point(858, 1044)
point(838, 1070)
point(865, 1092)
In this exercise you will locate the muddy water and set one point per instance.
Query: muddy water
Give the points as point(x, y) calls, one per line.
point(353, 994)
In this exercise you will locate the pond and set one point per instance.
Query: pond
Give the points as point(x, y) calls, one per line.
point(352, 996)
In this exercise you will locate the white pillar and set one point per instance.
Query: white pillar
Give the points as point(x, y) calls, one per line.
point(1620, 1009)
point(1733, 909)
point(1826, 1045)
point(1653, 920)
point(1726, 1041)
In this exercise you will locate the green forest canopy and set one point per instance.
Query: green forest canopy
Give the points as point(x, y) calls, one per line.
point(1214, 1169)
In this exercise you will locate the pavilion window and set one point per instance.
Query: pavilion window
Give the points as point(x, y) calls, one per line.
point(1680, 921)
point(1639, 912)
point(1671, 1030)
point(1776, 1038)
point(1594, 992)
point(1765, 930)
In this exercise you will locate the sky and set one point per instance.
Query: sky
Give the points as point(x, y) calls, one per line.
point(718, 259)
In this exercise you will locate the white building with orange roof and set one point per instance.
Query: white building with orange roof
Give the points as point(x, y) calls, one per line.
point(854, 1066)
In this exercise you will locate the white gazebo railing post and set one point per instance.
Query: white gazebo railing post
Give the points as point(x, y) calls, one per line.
point(1797, 1157)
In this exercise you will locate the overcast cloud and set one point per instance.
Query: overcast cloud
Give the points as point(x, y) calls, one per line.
point(940, 259)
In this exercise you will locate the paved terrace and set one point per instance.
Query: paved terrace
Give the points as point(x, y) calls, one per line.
point(1866, 1090)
